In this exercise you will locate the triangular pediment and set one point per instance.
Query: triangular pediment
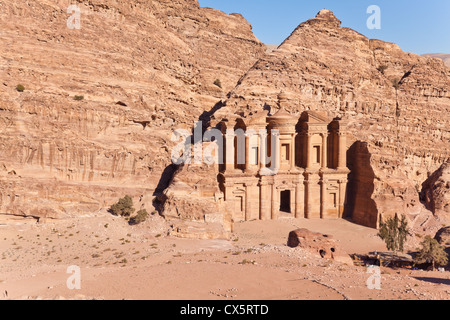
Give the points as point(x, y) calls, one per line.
point(314, 117)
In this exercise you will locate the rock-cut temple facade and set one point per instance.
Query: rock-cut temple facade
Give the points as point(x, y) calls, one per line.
point(309, 157)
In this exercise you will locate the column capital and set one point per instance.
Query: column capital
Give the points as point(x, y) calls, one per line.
point(262, 133)
point(275, 134)
point(230, 133)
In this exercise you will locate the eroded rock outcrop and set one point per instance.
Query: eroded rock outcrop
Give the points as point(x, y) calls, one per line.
point(322, 244)
point(443, 236)
point(444, 56)
point(436, 192)
point(100, 104)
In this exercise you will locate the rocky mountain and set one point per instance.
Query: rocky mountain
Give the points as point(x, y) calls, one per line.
point(97, 107)
point(271, 47)
point(396, 104)
point(444, 56)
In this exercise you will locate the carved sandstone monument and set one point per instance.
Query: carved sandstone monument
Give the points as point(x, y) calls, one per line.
point(394, 107)
point(308, 156)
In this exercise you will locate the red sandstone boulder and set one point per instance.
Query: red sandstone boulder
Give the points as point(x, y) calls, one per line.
point(436, 192)
point(443, 236)
point(322, 244)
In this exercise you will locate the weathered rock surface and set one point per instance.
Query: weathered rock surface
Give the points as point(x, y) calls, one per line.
point(436, 192)
point(443, 56)
point(141, 69)
point(443, 237)
point(321, 244)
point(193, 193)
point(194, 198)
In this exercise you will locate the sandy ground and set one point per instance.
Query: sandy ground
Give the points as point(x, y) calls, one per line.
point(118, 261)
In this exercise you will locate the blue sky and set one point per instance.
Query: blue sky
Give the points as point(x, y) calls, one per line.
point(415, 25)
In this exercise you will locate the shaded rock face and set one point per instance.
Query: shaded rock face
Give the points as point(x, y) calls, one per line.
point(443, 236)
point(360, 205)
point(321, 244)
point(140, 69)
point(374, 195)
point(436, 192)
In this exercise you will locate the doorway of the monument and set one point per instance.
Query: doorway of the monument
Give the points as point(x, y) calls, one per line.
point(285, 201)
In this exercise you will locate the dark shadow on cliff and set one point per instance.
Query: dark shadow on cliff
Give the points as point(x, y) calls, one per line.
point(171, 170)
point(360, 208)
point(164, 182)
point(206, 116)
point(166, 178)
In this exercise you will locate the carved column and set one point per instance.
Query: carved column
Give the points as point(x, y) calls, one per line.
point(342, 153)
point(265, 201)
point(292, 151)
point(248, 206)
point(274, 203)
point(247, 152)
point(262, 149)
point(342, 191)
point(229, 162)
point(299, 201)
point(307, 200)
point(275, 151)
point(323, 199)
point(308, 150)
point(324, 150)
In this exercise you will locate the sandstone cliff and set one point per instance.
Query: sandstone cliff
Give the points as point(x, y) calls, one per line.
point(397, 105)
point(100, 103)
